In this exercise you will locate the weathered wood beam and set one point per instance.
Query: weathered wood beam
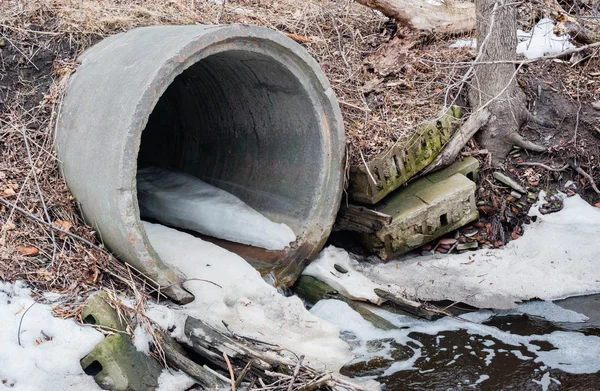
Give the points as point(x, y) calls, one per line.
point(361, 219)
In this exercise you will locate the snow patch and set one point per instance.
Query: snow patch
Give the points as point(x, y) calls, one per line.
point(141, 340)
point(351, 284)
point(184, 201)
point(242, 299)
point(41, 363)
point(557, 257)
point(542, 41)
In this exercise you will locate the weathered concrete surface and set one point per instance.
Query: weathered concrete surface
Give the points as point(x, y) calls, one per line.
point(98, 311)
point(395, 167)
point(242, 107)
point(117, 365)
point(426, 209)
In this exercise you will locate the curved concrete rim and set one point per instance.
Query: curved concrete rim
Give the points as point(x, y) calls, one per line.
point(116, 217)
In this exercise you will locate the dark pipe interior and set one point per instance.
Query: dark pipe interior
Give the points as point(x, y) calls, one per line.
point(243, 122)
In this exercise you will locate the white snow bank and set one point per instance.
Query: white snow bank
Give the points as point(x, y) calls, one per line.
point(557, 257)
point(41, 363)
point(574, 352)
point(351, 284)
point(542, 41)
point(248, 305)
point(184, 201)
point(51, 348)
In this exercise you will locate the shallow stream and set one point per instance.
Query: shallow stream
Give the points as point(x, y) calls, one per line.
point(539, 346)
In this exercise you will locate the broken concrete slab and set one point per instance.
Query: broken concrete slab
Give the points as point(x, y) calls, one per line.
point(424, 210)
point(97, 311)
point(116, 365)
point(426, 215)
point(371, 183)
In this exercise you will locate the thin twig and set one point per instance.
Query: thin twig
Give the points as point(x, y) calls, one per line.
point(535, 164)
point(21, 322)
point(580, 170)
point(26, 213)
point(230, 371)
point(39, 190)
point(291, 386)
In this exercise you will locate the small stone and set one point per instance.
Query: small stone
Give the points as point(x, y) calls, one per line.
point(447, 241)
point(596, 105)
point(515, 194)
point(467, 246)
point(480, 203)
point(509, 182)
point(340, 269)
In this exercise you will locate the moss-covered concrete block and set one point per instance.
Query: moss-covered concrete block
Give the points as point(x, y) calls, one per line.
point(97, 311)
point(395, 167)
point(420, 216)
point(116, 365)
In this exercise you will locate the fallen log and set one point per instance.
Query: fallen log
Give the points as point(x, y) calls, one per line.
point(447, 17)
point(212, 344)
point(176, 356)
point(579, 31)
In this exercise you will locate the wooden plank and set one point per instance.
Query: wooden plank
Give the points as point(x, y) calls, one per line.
point(361, 219)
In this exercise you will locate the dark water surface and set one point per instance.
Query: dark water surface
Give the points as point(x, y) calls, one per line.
point(508, 351)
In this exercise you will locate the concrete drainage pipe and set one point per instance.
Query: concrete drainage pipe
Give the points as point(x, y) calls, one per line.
point(244, 108)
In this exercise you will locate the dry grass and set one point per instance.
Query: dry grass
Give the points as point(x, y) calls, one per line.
point(40, 42)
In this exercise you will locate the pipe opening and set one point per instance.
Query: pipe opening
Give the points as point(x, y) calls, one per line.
point(245, 123)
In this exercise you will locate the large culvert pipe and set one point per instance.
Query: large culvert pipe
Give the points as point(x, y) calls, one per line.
point(244, 108)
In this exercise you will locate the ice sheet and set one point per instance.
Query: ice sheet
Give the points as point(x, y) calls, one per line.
point(184, 201)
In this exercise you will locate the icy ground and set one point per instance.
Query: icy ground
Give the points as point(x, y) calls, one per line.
point(557, 257)
point(47, 358)
point(184, 201)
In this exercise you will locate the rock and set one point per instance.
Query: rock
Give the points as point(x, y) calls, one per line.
point(340, 269)
point(447, 241)
point(515, 194)
point(467, 246)
point(596, 105)
point(509, 182)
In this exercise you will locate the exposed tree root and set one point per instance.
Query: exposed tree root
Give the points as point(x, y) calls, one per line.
point(459, 140)
point(580, 170)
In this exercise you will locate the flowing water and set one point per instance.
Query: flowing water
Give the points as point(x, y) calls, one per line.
point(539, 346)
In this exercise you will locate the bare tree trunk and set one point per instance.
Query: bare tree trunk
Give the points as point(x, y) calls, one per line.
point(494, 86)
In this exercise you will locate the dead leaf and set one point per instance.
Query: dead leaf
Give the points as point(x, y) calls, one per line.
point(597, 204)
point(29, 251)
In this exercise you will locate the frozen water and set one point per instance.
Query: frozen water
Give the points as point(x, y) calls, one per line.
point(551, 312)
point(184, 201)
